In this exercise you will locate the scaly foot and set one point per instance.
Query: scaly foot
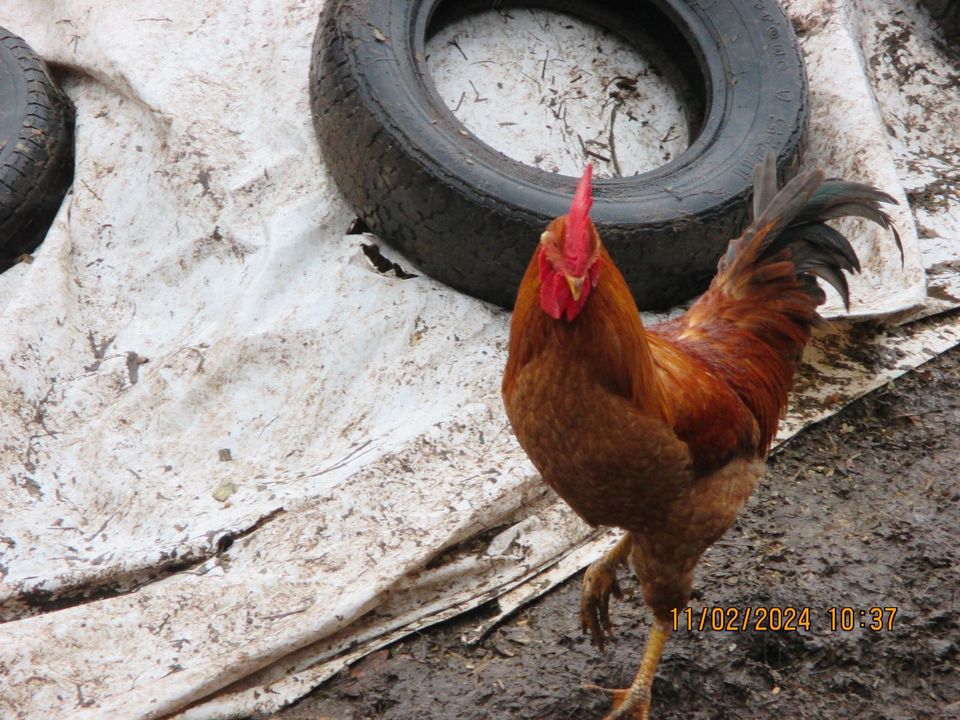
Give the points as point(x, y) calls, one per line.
point(638, 709)
point(599, 583)
point(634, 702)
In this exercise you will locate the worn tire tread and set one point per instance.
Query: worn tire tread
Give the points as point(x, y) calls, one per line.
point(36, 163)
point(475, 238)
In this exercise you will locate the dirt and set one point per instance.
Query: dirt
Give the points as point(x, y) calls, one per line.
point(862, 511)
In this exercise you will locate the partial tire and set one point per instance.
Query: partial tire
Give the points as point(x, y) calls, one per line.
point(470, 217)
point(947, 14)
point(36, 148)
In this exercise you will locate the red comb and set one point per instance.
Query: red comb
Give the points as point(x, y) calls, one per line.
point(576, 249)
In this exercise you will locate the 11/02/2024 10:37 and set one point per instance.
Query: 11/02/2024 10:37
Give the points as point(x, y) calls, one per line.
point(781, 619)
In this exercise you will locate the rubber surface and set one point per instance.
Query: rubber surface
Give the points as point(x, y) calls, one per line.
point(36, 148)
point(470, 217)
point(947, 14)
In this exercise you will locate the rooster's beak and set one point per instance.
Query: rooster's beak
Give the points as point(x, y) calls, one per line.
point(575, 285)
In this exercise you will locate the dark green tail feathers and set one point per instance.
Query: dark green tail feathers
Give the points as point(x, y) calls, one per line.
point(791, 223)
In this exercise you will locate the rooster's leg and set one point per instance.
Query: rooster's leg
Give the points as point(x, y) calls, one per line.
point(599, 582)
point(634, 702)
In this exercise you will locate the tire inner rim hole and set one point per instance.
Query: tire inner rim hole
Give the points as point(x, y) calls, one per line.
point(555, 91)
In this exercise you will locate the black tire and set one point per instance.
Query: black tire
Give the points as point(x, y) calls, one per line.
point(947, 14)
point(36, 148)
point(470, 216)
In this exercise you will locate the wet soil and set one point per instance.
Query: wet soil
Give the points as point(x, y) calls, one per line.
point(861, 512)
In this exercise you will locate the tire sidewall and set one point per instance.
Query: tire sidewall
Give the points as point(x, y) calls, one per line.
point(756, 102)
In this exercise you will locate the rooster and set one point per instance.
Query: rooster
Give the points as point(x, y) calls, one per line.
point(664, 431)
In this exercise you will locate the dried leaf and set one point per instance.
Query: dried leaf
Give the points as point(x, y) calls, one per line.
point(224, 490)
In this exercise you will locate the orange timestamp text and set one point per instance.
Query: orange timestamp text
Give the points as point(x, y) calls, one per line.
point(780, 619)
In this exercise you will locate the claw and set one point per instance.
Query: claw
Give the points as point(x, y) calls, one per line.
point(633, 703)
point(599, 583)
point(622, 709)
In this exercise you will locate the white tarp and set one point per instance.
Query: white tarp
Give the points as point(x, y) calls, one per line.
point(230, 447)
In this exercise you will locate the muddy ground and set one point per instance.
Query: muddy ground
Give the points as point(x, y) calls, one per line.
point(861, 511)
